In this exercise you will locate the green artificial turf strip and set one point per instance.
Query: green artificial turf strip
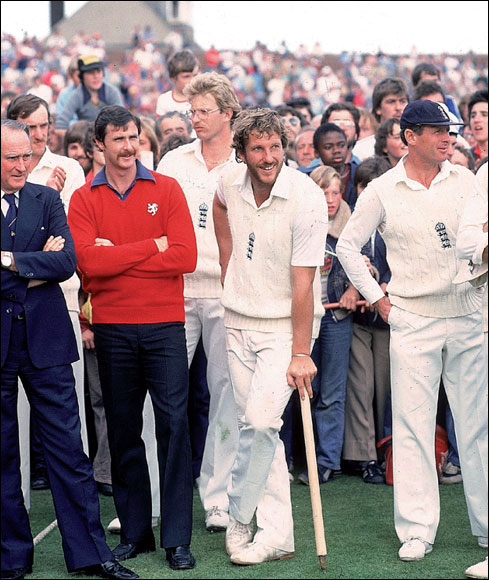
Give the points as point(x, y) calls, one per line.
point(359, 530)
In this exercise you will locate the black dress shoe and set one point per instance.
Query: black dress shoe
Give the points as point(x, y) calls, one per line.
point(105, 489)
point(16, 574)
point(180, 558)
point(127, 551)
point(111, 569)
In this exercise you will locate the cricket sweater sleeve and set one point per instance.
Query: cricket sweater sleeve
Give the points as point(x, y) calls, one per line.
point(471, 238)
point(367, 217)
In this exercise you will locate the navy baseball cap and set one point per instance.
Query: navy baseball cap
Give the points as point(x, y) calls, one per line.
point(426, 113)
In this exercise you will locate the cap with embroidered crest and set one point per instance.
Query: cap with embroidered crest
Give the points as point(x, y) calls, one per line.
point(424, 112)
point(89, 62)
point(454, 129)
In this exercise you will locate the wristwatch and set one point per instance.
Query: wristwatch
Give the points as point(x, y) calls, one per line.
point(6, 260)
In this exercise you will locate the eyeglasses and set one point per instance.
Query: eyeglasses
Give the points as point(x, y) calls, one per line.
point(294, 121)
point(202, 113)
point(343, 122)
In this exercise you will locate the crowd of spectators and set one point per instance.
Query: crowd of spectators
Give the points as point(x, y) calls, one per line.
point(325, 102)
point(260, 76)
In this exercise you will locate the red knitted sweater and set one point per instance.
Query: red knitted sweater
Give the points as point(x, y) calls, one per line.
point(132, 282)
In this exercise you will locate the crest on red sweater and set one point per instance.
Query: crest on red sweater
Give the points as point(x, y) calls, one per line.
point(152, 208)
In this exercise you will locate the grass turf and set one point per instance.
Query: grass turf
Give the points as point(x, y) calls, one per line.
point(360, 539)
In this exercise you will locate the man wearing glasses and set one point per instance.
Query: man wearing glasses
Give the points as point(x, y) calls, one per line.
point(197, 167)
point(293, 121)
point(347, 117)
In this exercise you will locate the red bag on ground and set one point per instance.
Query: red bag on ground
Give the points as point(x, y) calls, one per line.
point(441, 453)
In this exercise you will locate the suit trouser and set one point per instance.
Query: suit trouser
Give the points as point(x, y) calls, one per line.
point(198, 407)
point(102, 463)
point(51, 394)
point(424, 349)
point(149, 439)
point(36, 456)
point(258, 362)
point(367, 390)
point(204, 317)
point(134, 359)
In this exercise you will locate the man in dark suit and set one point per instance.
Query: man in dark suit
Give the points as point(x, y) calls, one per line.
point(38, 345)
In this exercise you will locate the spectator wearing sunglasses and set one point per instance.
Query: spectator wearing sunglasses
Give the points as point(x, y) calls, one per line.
point(347, 117)
point(303, 105)
point(293, 121)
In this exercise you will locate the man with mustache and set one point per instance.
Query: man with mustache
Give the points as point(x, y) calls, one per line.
point(134, 240)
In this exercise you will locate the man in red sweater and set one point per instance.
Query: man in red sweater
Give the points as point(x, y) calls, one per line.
point(134, 240)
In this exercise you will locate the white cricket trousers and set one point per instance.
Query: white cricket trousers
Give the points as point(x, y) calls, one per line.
point(205, 317)
point(423, 350)
point(258, 362)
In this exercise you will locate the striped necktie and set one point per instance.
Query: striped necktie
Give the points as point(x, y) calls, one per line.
point(11, 216)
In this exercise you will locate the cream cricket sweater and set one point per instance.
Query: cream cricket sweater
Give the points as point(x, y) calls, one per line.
point(187, 166)
point(419, 227)
point(472, 240)
point(288, 229)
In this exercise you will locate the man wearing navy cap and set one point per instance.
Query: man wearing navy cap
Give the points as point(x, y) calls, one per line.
point(436, 326)
point(92, 95)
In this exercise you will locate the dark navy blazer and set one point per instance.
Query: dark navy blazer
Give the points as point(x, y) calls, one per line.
point(50, 337)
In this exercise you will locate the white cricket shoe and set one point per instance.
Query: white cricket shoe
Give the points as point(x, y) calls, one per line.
point(477, 570)
point(257, 553)
point(414, 549)
point(238, 535)
point(216, 520)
